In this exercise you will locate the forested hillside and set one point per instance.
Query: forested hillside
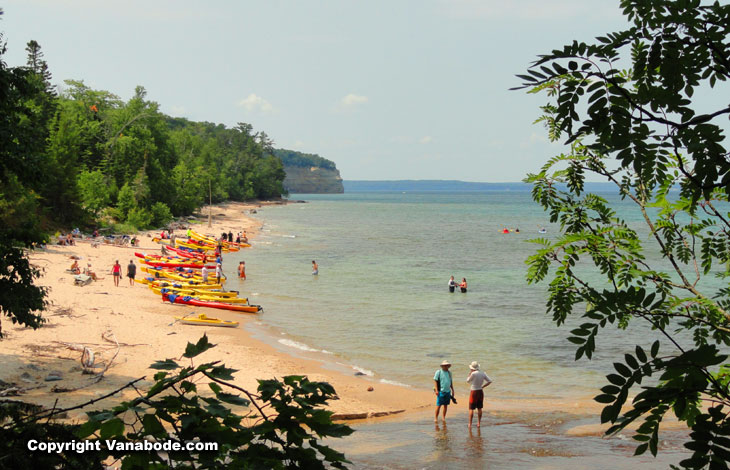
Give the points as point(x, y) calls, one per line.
point(75, 155)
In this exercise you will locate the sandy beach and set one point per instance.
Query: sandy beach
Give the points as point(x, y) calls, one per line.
point(99, 315)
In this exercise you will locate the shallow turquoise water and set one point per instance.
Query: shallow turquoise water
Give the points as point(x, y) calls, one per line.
point(380, 303)
point(380, 306)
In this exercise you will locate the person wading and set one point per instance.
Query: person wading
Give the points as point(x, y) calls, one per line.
point(444, 389)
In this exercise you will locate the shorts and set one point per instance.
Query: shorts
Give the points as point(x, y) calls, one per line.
point(131, 276)
point(117, 274)
point(451, 288)
point(463, 289)
point(476, 400)
point(444, 399)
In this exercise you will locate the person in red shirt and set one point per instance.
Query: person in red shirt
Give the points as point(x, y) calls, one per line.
point(117, 272)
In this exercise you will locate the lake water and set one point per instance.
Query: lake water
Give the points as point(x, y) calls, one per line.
point(380, 304)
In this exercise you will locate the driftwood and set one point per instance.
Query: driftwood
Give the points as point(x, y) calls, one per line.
point(106, 336)
point(15, 391)
point(369, 414)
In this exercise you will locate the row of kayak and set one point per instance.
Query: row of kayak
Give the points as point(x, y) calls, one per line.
point(178, 277)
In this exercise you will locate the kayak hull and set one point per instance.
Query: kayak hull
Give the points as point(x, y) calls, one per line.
point(203, 320)
point(211, 304)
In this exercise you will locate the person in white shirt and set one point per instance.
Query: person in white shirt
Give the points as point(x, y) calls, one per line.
point(479, 380)
point(204, 274)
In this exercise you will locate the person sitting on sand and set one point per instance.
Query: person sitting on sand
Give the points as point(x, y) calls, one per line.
point(443, 388)
point(89, 272)
point(462, 286)
point(75, 267)
point(479, 380)
point(452, 284)
point(242, 270)
point(69, 239)
point(315, 268)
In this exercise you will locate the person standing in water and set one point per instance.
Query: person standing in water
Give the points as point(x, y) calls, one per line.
point(242, 270)
point(444, 388)
point(479, 380)
point(452, 284)
point(462, 286)
point(315, 268)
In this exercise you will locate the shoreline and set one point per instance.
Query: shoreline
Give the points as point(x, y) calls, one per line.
point(147, 331)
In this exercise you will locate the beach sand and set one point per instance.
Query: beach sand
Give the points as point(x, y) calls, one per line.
point(146, 329)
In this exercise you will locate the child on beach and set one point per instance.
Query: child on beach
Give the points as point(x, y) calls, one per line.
point(315, 268)
point(116, 272)
point(479, 380)
point(242, 270)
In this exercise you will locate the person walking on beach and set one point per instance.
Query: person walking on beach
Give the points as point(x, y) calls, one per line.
point(479, 380)
point(131, 272)
point(463, 285)
point(242, 270)
point(444, 389)
point(315, 268)
point(117, 272)
point(452, 284)
point(204, 274)
point(218, 273)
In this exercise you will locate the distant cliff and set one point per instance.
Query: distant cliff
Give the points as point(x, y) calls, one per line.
point(308, 173)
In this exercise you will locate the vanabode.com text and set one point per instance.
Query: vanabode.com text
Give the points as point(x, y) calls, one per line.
point(87, 446)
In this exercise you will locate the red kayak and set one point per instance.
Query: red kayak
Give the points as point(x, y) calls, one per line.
point(160, 264)
point(187, 300)
point(186, 253)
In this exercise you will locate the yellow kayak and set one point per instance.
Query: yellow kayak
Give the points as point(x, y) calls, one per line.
point(162, 282)
point(201, 295)
point(212, 241)
point(205, 320)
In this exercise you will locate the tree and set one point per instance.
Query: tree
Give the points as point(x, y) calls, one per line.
point(20, 299)
point(640, 129)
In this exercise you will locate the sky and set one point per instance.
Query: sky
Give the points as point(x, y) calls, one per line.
point(398, 89)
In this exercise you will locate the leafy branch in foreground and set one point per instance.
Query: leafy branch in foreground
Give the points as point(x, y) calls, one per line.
point(280, 427)
point(638, 129)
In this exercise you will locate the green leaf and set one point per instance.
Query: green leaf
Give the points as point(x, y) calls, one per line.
point(112, 428)
point(193, 350)
point(167, 364)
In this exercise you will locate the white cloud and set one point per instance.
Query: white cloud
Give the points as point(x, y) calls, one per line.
point(253, 102)
point(352, 99)
point(426, 139)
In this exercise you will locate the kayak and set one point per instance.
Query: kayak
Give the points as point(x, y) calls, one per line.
point(186, 253)
point(219, 295)
point(186, 300)
point(201, 295)
point(161, 282)
point(211, 240)
point(205, 320)
point(165, 264)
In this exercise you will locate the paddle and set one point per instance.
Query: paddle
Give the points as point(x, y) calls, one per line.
point(182, 318)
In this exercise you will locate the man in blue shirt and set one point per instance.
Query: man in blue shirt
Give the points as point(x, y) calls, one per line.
point(443, 388)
